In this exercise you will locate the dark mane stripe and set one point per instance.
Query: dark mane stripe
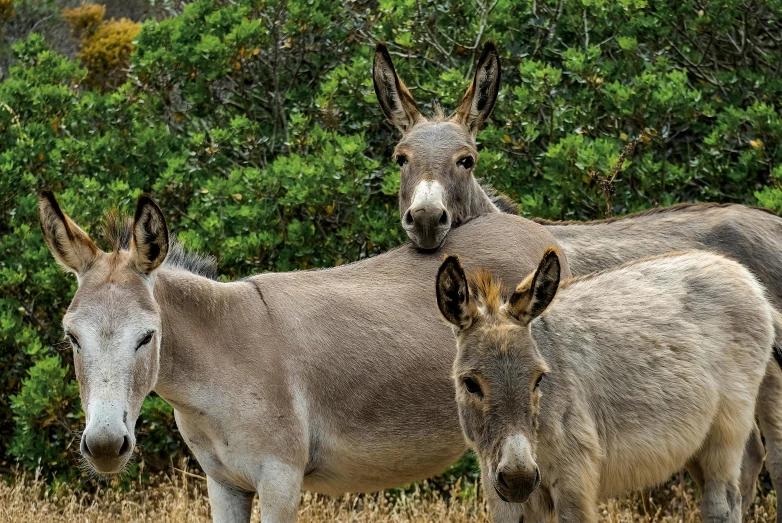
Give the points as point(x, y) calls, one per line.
point(679, 207)
point(201, 264)
point(503, 202)
point(118, 233)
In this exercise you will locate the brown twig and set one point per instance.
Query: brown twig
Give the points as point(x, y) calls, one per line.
point(606, 183)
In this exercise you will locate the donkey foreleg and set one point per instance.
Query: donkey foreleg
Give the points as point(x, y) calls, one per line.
point(751, 465)
point(769, 409)
point(279, 492)
point(229, 504)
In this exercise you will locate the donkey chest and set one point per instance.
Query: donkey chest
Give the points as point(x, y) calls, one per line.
point(230, 451)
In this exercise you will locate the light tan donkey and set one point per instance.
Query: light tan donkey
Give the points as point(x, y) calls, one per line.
point(438, 159)
point(610, 382)
point(331, 381)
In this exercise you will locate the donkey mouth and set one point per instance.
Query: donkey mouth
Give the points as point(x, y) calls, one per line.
point(503, 498)
point(428, 243)
point(108, 468)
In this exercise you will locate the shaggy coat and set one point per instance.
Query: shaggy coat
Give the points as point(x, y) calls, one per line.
point(620, 381)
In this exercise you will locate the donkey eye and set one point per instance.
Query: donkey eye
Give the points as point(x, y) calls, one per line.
point(146, 339)
point(472, 387)
point(73, 341)
point(540, 378)
point(401, 160)
point(467, 162)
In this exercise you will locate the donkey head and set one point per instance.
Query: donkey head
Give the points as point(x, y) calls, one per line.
point(437, 156)
point(499, 372)
point(113, 323)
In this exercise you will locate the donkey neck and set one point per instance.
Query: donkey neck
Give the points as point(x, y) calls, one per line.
point(204, 322)
point(479, 203)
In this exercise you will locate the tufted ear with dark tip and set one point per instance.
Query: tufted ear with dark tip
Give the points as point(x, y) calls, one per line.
point(479, 99)
point(453, 294)
point(536, 292)
point(73, 248)
point(395, 100)
point(150, 236)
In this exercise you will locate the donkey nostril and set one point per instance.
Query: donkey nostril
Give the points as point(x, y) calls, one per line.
point(444, 218)
point(502, 481)
point(125, 446)
point(408, 218)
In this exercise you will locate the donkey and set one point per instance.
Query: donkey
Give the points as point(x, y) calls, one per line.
point(332, 381)
point(437, 190)
point(629, 375)
point(432, 176)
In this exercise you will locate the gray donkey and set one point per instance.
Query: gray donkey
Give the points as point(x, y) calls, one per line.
point(438, 191)
point(618, 382)
point(332, 380)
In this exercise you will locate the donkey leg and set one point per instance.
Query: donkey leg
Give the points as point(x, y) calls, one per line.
point(576, 493)
point(769, 410)
point(229, 504)
point(721, 502)
point(279, 492)
point(576, 507)
point(751, 465)
point(720, 462)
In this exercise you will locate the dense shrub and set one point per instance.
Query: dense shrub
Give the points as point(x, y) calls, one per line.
point(256, 127)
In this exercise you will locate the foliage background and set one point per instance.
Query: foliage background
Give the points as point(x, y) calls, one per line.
point(255, 125)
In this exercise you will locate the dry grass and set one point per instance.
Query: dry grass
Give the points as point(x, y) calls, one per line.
point(181, 499)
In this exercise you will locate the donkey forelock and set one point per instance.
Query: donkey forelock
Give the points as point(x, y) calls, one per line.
point(488, 291)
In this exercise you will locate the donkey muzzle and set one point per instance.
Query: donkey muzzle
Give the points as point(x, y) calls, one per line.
point(106, 442)
point(427, 225)
point(516, 487)
point(427, 220)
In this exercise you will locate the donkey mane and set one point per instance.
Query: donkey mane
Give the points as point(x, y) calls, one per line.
point(679, 207)
point(502, 201)
point(118, 231)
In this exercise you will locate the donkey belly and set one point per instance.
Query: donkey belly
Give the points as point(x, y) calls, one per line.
point(382, 461)
point(646, 452)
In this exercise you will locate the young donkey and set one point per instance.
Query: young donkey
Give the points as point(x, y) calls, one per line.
point(332, 380)
point(438, 158)
point(616, 384)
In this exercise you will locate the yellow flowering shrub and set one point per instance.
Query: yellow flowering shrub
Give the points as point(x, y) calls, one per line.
point(85, 18)
point(6, 9)
point(106, 45)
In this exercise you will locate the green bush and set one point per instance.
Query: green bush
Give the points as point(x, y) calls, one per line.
point(256, 127)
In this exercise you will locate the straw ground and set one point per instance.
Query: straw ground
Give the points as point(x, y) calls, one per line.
point(181, 498)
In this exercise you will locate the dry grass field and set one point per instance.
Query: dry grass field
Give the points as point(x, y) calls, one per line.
point(182, 499)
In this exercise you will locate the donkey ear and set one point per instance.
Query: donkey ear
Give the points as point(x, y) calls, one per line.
point(453, 293)
point(396, 101)
point(69, 244)
point(535, 293)
point(150, 236)
point(479, 99)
